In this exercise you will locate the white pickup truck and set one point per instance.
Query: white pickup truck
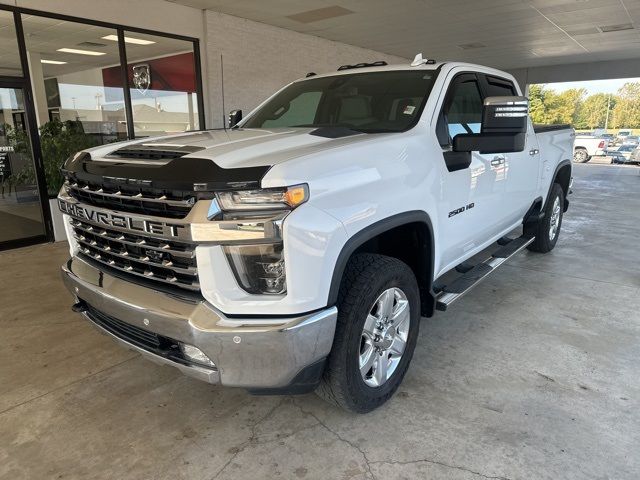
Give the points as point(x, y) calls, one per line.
point(587, 146)
point(298, 249)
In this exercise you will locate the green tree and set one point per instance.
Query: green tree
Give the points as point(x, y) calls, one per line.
point(537, 107)
point(593, 111)
point(565, 107)
point(626, 113)
point(547, 106)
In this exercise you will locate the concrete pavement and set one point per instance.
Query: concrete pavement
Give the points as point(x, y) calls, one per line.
point(533, 375)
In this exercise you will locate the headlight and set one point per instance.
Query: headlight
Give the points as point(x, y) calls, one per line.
point(263, 199)
point(258, 268)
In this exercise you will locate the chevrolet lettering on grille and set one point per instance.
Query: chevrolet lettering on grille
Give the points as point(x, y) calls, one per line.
point(120, 221)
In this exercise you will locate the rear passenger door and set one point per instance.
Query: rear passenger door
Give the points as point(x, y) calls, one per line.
point(521, 170)
point(471, 207)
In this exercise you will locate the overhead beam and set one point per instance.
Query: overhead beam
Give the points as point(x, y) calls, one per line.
point(573, 72)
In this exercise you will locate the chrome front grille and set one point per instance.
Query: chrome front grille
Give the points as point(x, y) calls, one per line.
point(143, 200)
point(167, 261)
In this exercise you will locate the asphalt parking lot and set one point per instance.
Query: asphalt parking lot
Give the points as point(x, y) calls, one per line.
point(533, 375)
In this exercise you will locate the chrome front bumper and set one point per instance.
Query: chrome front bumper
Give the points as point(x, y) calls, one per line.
point(255, 353)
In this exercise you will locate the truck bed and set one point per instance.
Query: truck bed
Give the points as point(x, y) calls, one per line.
point(540, 128)
point(556, 146)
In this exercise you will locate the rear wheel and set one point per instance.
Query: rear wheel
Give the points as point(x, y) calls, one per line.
point(548, 228)
point(580, 155)
point(376, 333)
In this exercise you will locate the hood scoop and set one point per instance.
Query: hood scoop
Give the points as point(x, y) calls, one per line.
point(154, 152)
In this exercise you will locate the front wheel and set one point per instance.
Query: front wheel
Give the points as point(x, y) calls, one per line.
point(548, 228)
point(376, 333)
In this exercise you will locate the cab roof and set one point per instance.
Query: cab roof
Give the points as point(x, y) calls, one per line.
point(407, 67)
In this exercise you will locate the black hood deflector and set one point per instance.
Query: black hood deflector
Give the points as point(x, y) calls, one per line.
point(186, 173)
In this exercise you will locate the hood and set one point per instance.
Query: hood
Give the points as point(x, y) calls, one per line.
point(206, 160)
point(241, 148)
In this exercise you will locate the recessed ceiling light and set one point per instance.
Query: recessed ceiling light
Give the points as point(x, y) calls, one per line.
point(52, 62)
point(137, 41)
point(81, 52)
point(616, 28)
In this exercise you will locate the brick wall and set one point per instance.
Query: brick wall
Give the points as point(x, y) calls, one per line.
point(250, 60)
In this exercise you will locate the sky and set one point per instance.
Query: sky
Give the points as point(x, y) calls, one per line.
point(593, 86)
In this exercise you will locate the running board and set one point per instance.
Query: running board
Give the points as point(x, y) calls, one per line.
point(452, 292)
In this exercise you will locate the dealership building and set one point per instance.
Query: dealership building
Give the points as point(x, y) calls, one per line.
point(121, 71)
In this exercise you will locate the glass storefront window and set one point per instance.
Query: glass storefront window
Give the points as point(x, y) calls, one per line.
point(162, 83)
point(82, 95)
point(20, 206)
point(9, 57)
point(77, 103)
point(70, 67)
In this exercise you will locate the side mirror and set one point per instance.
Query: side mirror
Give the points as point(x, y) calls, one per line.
point(234, 118)
point(505, 115)
point(504, 127)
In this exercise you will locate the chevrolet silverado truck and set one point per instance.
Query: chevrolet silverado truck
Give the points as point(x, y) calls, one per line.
point(298, 249)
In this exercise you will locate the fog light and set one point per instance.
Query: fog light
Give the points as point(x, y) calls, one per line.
point(196, 355)
point(259, 269)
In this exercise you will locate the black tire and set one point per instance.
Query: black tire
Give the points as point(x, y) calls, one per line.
point(580, 155)
point(366, 277)
point(543, 242)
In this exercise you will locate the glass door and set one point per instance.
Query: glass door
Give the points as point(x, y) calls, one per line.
point(21, 216)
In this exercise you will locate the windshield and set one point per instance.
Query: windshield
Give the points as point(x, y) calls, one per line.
point(371, 102)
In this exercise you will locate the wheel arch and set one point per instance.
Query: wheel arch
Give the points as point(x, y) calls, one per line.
point(380, 237)
point(562, 176)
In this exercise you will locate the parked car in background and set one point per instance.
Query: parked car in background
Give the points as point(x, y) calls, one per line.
point(630, 156)
point(623, 134)
point(586, 146)
point(631, 140)
point(625, 150)
point(634, 158)
point(615, 157)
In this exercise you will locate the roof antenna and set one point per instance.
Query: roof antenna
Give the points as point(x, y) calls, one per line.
point(418, 60)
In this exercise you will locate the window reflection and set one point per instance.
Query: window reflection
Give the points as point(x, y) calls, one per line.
point(9, 58)
point(162, 84)
point(68, 64)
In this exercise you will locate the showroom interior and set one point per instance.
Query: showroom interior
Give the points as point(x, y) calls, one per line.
point(533, 374)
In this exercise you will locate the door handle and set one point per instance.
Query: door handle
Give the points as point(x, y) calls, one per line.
point(534, 151)
point(497, 161)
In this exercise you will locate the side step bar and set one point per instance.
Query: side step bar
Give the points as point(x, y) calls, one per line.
point(452, 292)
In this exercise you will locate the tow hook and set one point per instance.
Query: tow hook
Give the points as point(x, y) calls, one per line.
point(79, 307)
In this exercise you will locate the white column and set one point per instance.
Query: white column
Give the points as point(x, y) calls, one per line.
point(37, 85)
point(192, 123)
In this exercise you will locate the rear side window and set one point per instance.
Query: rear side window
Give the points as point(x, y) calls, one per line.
point(499, 87)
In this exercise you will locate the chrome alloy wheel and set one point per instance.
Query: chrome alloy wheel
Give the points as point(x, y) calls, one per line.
point(384, 337)
point(554, 222)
